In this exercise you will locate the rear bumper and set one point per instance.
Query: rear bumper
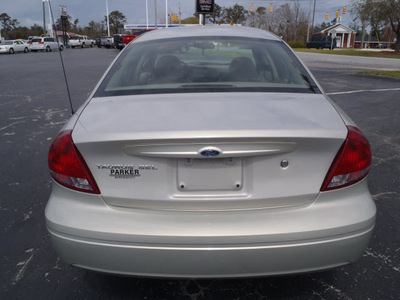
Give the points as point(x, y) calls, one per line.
point(211, 262)
point(333, 231)
point(37, 47)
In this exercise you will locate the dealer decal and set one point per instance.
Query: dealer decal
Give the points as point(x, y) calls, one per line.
point(124, 171)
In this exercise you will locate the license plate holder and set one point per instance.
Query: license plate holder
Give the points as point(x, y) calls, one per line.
point(215, 174)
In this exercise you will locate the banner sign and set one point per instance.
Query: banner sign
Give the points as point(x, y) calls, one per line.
point(205, 6)
point(63, 11)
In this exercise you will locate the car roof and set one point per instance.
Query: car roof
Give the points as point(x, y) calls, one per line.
point(208, 30)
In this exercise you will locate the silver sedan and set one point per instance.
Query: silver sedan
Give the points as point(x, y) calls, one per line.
point(205, 152)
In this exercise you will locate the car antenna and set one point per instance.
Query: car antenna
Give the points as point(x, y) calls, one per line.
point(61, 58)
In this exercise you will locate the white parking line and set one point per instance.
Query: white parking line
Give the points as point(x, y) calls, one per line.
point(362, 91)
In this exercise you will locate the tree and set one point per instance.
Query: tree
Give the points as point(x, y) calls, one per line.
point(378, 13)
point(236, 14)
point(292, 22)
point(36, 30)
point(117, 21)
point(68, 25)
point(217, 15)
point(75, 27)
point(7, 24)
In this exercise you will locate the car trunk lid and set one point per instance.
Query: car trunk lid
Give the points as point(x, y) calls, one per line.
point(216, 151)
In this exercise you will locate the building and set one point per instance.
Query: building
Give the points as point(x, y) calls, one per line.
point(345, 36)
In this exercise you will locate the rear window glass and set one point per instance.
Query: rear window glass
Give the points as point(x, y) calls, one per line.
point(205, 64)
point(36, 40)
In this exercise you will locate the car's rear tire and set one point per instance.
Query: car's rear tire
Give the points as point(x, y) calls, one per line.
point(61, 48)
point(26, 50)
point(11, 51)
point(83, 45)
point(48, 49)
point(92, 45)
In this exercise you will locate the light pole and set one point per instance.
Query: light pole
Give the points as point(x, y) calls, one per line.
point(44, 18)
point(147, 14)
point(51, 22)
point(155, 14)
point(166, 13)
point(108, 20)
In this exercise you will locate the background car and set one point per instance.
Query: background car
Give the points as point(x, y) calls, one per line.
point(13, 46)
point(321, 42)
point(223, 160)
point(45, 44)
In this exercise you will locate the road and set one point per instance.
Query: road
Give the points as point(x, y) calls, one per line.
point(34, 106)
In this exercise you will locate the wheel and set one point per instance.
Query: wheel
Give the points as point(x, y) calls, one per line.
point(48, 49)
point(83, 45)
point(61, 48)
point(72, 47)
point(99, 46)
point(11, 51)
point(26, 50)
point(92, 45)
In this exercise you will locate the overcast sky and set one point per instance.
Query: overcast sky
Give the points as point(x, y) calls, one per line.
point(29, 12)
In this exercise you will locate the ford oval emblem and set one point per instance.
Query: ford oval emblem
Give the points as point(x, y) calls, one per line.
point(210, 152)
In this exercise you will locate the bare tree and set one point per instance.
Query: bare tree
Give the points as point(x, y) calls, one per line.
point(291, 21)
point(378, 13)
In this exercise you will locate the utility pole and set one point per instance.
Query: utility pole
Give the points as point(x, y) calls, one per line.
point(308, 23)
point(108, 20)
point(50, 21)
point(166, 13)
point(44, 18)
point(147, 14)
point(179, 14)
point(313, 18)
point(155, 14)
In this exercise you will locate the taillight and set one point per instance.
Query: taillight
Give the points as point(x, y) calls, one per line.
point(41, 42)
point(67, 165)
point(351, 163)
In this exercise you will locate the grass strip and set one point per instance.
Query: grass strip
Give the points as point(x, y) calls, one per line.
point(395, 74)
point(351, 52)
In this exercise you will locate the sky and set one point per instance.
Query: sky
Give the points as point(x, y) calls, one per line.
point(29, 12)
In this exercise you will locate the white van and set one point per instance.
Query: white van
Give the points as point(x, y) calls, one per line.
point(45, 43)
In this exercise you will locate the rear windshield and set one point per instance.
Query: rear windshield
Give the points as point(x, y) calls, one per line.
point(36, 40)
point(205, 64)
point(74, 37)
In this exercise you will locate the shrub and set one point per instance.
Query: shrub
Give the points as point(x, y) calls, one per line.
point(295, 44)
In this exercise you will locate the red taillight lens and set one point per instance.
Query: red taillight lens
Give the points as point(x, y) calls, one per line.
point(352, 162)
point(41, 42)
point(67, 166)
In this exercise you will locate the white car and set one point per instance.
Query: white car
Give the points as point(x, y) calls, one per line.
point(13, 46)
point(80, 41)
point(205, 152)
point(45, 44)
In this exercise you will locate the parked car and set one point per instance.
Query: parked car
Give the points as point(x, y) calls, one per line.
point(80, 41)
point(106, 41)
point(45, 44)
point(98, 42)
point(13, 46)
point(381, 46)
point(223, 160)
point(321, 42)
point(121, 40)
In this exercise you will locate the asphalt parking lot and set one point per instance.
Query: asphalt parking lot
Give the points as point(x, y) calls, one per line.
point(34, 106)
